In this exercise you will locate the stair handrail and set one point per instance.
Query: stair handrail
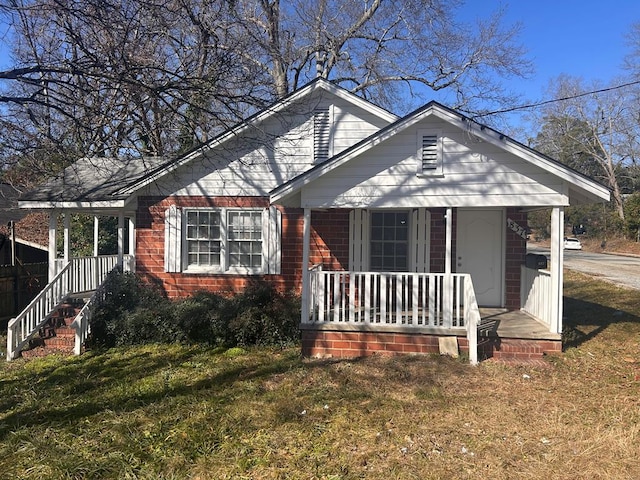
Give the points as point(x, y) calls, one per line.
point(82, 322)
point(27, 323)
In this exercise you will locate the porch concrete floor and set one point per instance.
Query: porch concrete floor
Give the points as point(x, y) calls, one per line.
point(497, 322)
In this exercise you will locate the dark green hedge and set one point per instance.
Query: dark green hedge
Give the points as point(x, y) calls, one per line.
point(135, 312)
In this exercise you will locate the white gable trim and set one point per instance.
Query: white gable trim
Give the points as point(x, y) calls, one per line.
point(463, 123)
point(318, 84)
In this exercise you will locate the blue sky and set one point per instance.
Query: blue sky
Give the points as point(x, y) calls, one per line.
point(582, 38)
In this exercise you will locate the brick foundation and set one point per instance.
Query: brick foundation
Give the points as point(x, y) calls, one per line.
point(350, 344)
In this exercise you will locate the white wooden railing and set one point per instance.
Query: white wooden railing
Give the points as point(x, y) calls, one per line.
point(82, 274)
point(398, 299)
point(535, 293)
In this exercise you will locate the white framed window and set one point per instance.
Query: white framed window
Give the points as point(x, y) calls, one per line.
point(390, 240)
point(222, 240)
point(429, 156)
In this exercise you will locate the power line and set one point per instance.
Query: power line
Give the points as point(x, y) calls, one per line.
point(546, 102)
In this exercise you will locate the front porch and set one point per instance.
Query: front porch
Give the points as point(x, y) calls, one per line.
point(351, 314)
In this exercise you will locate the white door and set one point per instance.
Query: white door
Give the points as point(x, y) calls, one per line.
point(479, 252)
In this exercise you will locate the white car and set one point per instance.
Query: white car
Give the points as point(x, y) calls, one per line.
point(572, 244)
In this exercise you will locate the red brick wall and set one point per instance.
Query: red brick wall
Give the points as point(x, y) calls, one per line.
point(516, 249)
point(344, 344)
point(329, 245)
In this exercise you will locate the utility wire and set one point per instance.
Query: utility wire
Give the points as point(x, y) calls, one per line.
point(546, 102)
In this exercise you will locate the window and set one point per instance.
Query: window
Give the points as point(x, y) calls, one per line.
point(245, 239)
point(429, 152)
point(204, 238)
point(221, 240)
point(389, 241)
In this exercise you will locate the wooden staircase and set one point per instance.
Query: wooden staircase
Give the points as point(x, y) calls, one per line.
point(56, 336)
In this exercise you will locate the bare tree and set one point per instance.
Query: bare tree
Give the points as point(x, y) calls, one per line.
point(386, 50)
point(157, 77)
point(597, 134)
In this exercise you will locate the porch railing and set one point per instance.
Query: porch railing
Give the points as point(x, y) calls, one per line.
point(398, 299)
point(535, 294)
point(79, 275)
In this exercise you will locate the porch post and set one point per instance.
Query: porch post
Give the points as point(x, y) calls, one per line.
point(96, 230)
point(557, 274)
point(67, 238)
point(306, 241)
point(120, 238)
point(53, 226)
point(447, 294)
point(132, 237)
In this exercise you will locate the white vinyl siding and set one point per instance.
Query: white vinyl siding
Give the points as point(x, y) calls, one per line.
point(475, 173)
point(274, 152)
point(221, 240)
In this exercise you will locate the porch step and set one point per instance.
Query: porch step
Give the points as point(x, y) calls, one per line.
point(56, 336)
point(517, 348)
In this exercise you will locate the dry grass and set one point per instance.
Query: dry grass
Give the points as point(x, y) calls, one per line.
point(173, 412)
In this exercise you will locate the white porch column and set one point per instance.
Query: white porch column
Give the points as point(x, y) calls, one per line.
point(67, 238)
point(556, 268)
point(96, 234)
point(306, 241)
point(120, 238)
point(447, 294)
point(132, 235)
point(53, 254)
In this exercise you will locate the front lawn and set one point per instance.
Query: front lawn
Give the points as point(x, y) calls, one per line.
point(174, 412)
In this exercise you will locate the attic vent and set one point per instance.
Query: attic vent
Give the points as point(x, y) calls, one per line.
point(429, 152)
point(321, 135)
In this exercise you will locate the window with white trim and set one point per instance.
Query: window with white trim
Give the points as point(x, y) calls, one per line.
point(223, 240)
point(429, 152)
point(389, 241)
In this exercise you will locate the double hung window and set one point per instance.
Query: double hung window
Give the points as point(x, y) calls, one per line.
point(222, 240)
point(389, 241)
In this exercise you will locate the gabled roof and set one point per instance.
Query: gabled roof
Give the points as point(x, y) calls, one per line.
point(487, 134)
point(239, 129)
point(110, 182)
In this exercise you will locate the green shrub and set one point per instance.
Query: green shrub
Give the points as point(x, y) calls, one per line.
point(134, 312)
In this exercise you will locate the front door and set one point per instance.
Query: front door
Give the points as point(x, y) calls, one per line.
point(479, 252)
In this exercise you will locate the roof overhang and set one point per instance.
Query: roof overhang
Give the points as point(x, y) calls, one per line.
point(79, 205)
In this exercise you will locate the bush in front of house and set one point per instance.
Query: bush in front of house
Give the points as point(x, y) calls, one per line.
point(135, 312)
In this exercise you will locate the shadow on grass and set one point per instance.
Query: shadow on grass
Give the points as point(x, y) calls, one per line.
point(68, 390)
point(585, 320)
point(57, 393)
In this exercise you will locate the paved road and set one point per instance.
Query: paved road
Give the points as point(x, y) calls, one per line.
point(619, 269)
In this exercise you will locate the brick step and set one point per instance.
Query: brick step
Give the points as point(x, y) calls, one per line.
point(56, 336)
